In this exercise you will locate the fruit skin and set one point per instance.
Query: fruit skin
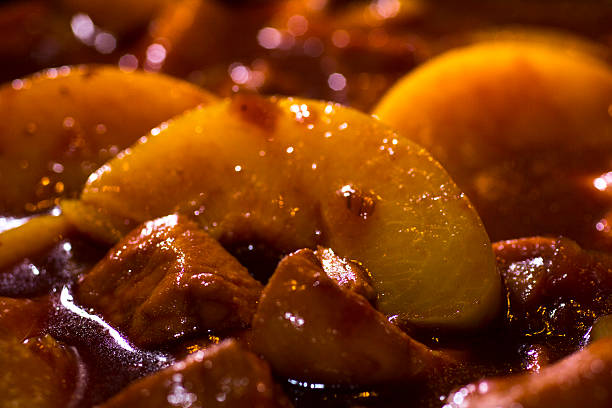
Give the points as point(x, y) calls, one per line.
point(297, 173)
point(525, 129)
point(60, 124)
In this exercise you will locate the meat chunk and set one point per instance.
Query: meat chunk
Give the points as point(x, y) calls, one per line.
point(22, 318)
point(554, 286)
point(223, 375)
point(167, 279)
point(584, 379)
point(39, 373)
point(311, 328)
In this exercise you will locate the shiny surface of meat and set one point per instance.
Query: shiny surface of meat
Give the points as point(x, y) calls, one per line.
point(554, 286)
point(580, 380)
point(224, 375)
point(168, 279)
point(310, 328)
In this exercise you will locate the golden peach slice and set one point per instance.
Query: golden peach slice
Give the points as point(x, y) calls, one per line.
point(525, 129)
point(296, 173)
point(602, 328)
point(33, 237)
point(59, 125)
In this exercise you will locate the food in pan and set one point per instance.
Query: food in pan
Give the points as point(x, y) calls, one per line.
point(165, 246)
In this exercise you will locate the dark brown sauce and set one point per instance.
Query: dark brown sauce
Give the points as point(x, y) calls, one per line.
point(111, 361)
point(108, 362)
point(48, 272)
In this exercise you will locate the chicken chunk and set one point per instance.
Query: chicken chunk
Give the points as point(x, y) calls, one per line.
point(167, 279)
point(554, 286)
point(583, 379)
point(39, 373)
point(223, 375)
point(311, 328)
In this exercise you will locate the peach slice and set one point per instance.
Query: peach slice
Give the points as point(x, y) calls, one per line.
point(34, 236)
point(59, 125)
point(296, 173)
point(601, 329)
point(524, 128)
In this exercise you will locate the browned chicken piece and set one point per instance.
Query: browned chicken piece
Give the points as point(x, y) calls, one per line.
point(23, 318)
point(39, 373)
point(311, 328)
point(584, 379)
point(224, 375)
point(554, 285)
point(166, 279)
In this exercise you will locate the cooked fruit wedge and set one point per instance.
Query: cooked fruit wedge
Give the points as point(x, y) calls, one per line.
point(602, 328)
point(296, 173)
point(524, 128)
point(59, 125)
point(31, 238)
